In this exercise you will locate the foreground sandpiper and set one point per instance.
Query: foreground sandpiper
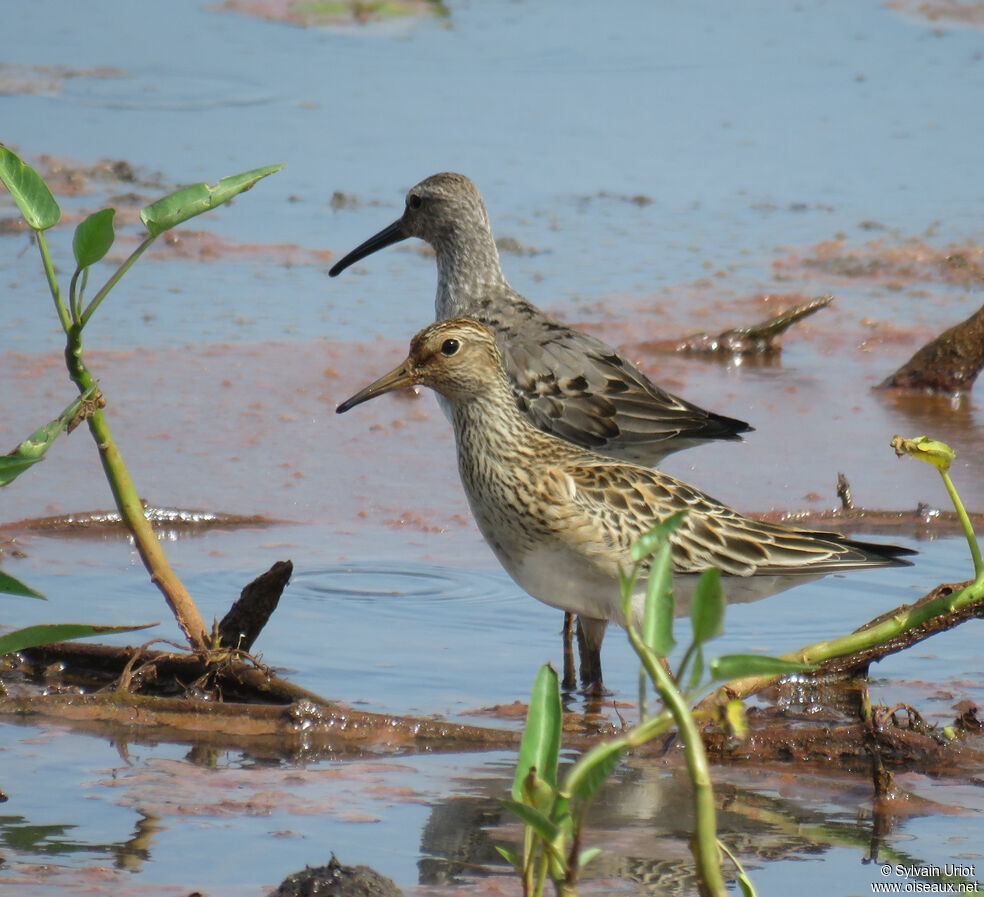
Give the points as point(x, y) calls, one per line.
point(567, 382)
point(561, 519)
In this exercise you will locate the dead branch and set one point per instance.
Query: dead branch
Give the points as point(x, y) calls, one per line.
point(258, 600)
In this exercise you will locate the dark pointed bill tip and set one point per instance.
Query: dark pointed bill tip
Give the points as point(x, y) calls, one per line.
point(386, 237)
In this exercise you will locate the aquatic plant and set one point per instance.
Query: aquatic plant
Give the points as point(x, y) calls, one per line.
point(93, 238)
point(943, 608)
point(14, 463)
point(552, 810)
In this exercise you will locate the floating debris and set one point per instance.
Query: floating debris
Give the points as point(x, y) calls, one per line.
point(760, 339)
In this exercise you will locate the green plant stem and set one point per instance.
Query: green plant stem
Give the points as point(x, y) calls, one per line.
point(98, 298)
point(687, 655)
point(861, 640)
point(49, 272)
point(131, 509)
point(705, 840)
point(541, 878)
point(975, 549)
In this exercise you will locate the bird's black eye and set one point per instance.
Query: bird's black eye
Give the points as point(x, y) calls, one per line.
point(414, 201)
point(450, 346)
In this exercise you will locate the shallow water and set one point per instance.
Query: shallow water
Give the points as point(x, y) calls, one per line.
point(664, 169)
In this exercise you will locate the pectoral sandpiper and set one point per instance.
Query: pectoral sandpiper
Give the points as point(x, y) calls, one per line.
point(561, 519)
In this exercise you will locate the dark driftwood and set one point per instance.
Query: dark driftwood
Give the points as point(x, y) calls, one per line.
point(249, 614)
point(844, 745)
point(948, 364)
point(267, 710)
point(286, 728)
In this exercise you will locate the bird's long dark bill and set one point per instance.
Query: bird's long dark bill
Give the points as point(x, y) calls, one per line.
point(401, 376)
point(386, 237)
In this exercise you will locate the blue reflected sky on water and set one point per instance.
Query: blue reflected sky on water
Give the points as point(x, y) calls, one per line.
point(749, 127)
point(746, 128)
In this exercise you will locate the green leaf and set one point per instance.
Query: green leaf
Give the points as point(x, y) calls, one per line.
point(11, 586)
point(657, 625)
point(32, 449)
point(737, 666)
point(510, 858)
point(540, 744)
point(30, 192)
point(697, 670)
point(707, 611)
point(586, 856)
point(647, 543)
point(45, 634)
point(93, 237)
point(532, 817)
point(191, 201)
point(597, 768)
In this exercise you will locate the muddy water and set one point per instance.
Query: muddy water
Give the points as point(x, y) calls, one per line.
point(661, 172)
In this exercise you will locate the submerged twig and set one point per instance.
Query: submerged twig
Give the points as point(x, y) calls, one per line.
point(844, 493)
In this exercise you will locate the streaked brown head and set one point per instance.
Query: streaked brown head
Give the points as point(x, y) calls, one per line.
point(458, 358)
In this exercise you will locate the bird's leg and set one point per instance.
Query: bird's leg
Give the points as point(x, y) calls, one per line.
point(590, 633)
point(569, 682)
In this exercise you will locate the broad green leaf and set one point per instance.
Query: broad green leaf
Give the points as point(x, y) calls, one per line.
point(707, 611)
point(191, 201)
point(510, 858)
point(547, 830)
point(30, 192)
point(597, 757)
point(32, 449)
point(939, 454)
point(737, 666)
point(657, 626)
point(598, 769)
point(93, 237)
point(647, 543)
point(540, 744)
point(11, 586)
point(45, 634)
